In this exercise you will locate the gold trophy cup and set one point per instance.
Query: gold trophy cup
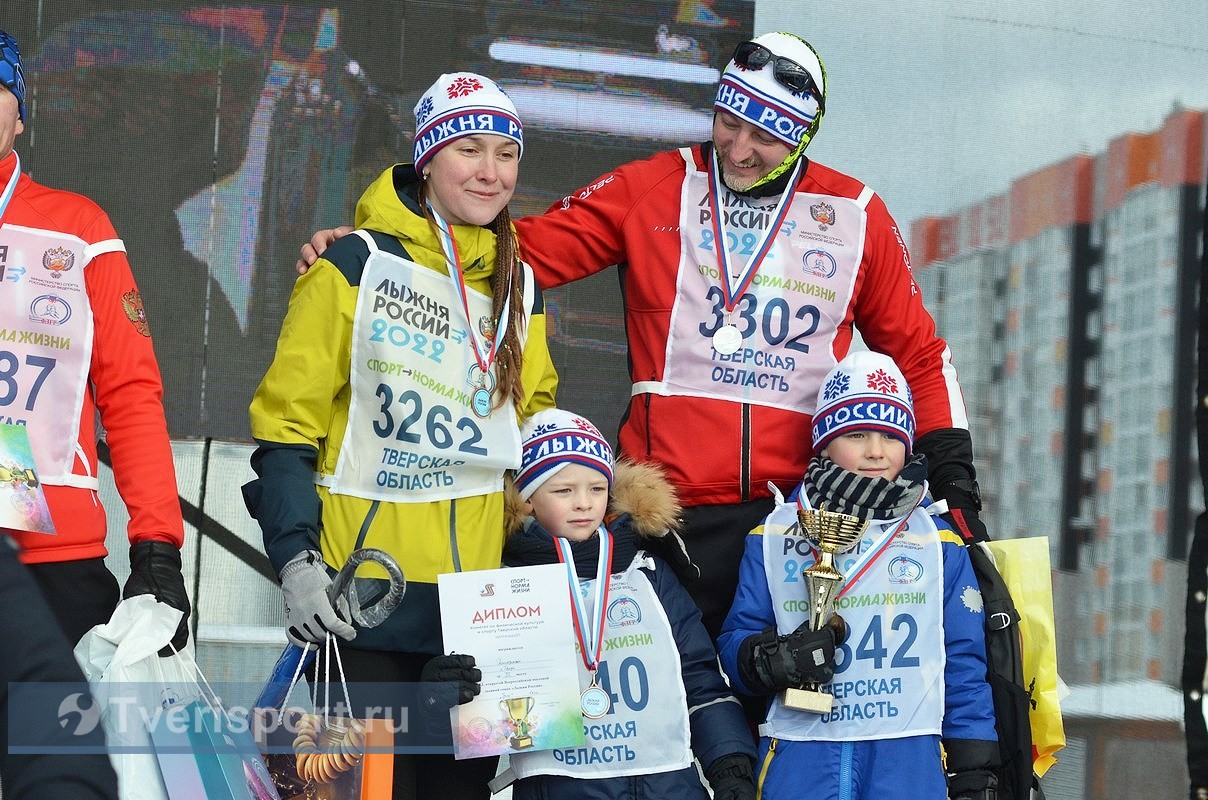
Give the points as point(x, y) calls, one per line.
point(832, 533)
point(517, 709)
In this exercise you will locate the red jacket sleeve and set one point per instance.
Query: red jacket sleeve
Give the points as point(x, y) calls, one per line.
point(126, 385)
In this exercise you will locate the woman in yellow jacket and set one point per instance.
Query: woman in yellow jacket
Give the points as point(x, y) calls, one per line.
point(408, 357)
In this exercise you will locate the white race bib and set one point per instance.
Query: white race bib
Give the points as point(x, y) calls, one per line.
point(413, 434)
point(46, 343)
point(889, 674)
point(646, 729)
point(789, 314)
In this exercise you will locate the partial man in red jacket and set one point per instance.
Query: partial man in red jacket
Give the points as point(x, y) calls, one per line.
point(728, 345)
point(75, 343)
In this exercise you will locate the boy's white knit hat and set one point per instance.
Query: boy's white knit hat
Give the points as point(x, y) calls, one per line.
point(864, 391)
point(553, 439)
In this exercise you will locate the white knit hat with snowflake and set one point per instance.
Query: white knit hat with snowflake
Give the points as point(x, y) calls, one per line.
point(865, 391)
point(462, 104)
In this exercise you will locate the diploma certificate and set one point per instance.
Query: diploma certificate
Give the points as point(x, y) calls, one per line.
point(22, 502)
point(516, 622)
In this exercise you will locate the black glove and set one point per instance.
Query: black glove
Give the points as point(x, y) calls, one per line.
point(155, 570)
point(768, 663)
point(732, 777)
point(951, 476)
point(966, 522)
point(971, 764)
point(962, 512)
point(974, 784)
point(452, 669)
point(447, 681)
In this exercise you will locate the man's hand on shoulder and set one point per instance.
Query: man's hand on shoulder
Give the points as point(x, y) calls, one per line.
point(319, 242)
point(964, 504)
point(952, 478)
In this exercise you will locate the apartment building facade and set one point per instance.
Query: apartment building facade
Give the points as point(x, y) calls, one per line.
point(1068, 302)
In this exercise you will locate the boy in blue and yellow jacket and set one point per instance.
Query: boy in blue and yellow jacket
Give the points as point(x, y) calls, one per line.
point(904, 660)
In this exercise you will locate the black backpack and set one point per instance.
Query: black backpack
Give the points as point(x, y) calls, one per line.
point(1012, 698)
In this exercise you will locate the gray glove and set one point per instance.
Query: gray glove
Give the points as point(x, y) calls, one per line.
point(309, 615)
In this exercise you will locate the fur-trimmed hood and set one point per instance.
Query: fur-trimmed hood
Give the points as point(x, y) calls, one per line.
point(640, 490)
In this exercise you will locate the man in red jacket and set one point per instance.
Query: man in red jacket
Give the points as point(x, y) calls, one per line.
point(728, 345)
point(75, 343)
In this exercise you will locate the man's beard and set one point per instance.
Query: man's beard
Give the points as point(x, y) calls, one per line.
point(738, 183)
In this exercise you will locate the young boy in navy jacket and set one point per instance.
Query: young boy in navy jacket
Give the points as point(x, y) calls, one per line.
point(655, 689)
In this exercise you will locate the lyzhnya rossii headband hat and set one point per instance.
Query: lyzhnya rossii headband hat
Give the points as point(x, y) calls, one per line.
point(462, 104)
point(864, 391)
point(553, 439)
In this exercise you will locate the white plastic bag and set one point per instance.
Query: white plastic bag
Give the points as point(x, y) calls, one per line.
point(131, 683)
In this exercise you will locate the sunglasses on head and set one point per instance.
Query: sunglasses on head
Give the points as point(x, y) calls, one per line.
point(787, 72)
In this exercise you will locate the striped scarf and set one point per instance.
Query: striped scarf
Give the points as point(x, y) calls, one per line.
point(866, 498)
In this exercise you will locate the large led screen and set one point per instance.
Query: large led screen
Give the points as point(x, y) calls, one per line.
point(219, 137)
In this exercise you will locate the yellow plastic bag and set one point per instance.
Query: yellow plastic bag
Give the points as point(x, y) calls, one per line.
point(1024, 565)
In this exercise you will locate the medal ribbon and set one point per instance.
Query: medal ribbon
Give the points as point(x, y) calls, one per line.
point(592, 639)
point(732, 285)
point(11, 187)
point(865, 559)
point(448, 244)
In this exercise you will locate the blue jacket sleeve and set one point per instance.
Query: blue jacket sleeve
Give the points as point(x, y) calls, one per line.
point(751, 612)
point(968, 704)
point(283, 500)
point(714, 715)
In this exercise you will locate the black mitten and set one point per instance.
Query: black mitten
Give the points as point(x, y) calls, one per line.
point(447, 681)
point(155, 570)
point(769, 663)
point(975, 784)
point(732, 777)
point(970, 764)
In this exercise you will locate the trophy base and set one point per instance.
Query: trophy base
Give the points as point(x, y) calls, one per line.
point(521, 742)
point(809, 700)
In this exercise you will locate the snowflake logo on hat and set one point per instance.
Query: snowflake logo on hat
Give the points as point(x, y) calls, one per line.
point(882, 381)
point(463, 86)
point(544, 428)
point(584, 425)
point(424, 111)
point(836, 386)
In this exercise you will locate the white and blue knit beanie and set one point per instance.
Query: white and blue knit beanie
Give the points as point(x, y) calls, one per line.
point(553, 439)
point(755, 96)
point(864, 391)
point(462, 104)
